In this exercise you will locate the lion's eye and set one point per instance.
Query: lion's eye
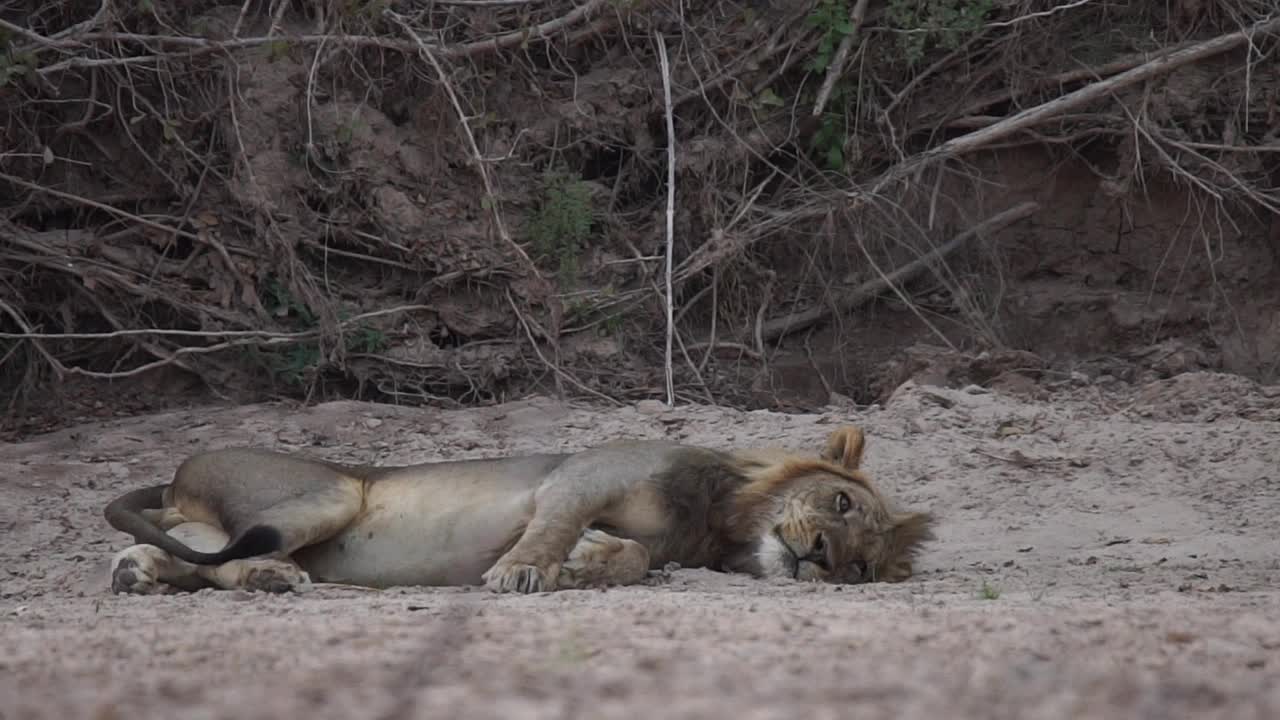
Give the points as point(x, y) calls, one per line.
point(843, 503)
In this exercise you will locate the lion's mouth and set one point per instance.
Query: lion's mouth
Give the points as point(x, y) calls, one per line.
point(790, 560)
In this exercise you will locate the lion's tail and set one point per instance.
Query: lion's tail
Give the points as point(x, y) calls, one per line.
point(125, 514)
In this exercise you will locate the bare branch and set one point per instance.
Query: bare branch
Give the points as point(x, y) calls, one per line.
point(856, 17)
point(671, 206)
point(866, 292)
point(481, 167)
point(193, 46)
point(1096, 91)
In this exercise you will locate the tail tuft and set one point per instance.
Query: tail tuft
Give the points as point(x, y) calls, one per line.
point(257, 540)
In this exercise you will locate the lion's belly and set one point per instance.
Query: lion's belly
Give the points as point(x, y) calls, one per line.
point(449, 536)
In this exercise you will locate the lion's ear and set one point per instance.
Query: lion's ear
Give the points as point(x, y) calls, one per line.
point(844, 447)
point(907, 532)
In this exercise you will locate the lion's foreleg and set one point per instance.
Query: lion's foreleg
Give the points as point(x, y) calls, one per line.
point(563, 507)
point(570, 499)
point(533, 563)
point(600, 559)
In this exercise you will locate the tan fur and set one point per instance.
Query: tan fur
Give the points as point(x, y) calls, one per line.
point(264, 520)
point(783, 493)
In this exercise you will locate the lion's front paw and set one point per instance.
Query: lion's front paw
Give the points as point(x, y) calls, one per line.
point(132, 578)
point(517, 577)
point(600, 559)
point(274, 577)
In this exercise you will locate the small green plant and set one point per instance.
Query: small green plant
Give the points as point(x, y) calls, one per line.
point(612, 325)
point(988, 591)
point(169, 129)
point(562, 224)
point(346, 131)
point(277, 49)
point(768, 98)
point(294, 363)
point(946, 23)
point(282, 304)
point(367, 10)
point(13, 66)
point(365, 339)
point(832, 18)
point(828, 141)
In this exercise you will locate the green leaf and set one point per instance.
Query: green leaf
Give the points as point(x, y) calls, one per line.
point(835, 157)
point(277, 49)
point(770, 98)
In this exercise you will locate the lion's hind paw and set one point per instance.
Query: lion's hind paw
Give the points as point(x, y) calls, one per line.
point(273, 577)
point(128, 577)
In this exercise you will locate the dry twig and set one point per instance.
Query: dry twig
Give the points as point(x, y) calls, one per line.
point(671, 207)
point(192, 46)
point(1071, 101)
point(796, 321)
point(426, 52)
point(857, 16)
point(132, 266)
point(554, 367)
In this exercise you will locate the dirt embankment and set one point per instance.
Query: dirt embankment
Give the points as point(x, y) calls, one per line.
point(470, 203)
point(1108, 552)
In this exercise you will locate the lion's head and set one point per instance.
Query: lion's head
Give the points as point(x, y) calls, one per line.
point(822, 518)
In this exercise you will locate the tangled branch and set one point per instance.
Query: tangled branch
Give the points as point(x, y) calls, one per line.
point(277, 198)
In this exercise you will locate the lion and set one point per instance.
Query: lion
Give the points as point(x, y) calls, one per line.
point(255, 519)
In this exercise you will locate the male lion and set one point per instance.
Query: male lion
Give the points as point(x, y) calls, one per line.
point(262, 520)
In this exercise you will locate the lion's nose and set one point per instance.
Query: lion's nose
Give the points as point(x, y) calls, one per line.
point(818, 553)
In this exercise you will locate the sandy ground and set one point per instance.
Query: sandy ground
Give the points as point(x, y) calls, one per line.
point(1101, 554)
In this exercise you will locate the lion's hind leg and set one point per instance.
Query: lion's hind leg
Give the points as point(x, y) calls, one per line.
point(600, 559)
point(261, 574)
point(266, 574)
point(312, 517)
point(148, 570)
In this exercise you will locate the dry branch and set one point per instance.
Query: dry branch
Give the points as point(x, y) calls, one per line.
point(856, 17)
point(144, 269)
point(478, 157)
point(1071, 101)
point(193, 46)
point(1098, 72)
point(554, 367)
point(784, 39)
point(779, 327)
point(671, 207)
